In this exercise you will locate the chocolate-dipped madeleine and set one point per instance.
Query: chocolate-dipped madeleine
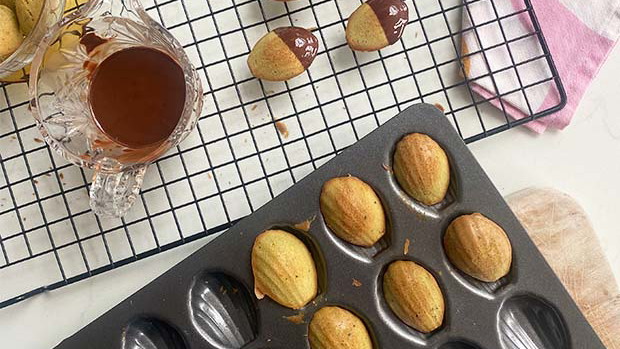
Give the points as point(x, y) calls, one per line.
point(377, 24)
point(283, 53)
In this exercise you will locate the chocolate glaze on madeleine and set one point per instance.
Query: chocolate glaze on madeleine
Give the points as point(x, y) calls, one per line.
point(301, 41)
point(283, 53)
point(393, 16)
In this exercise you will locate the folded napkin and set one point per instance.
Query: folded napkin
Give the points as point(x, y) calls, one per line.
point(580, 35)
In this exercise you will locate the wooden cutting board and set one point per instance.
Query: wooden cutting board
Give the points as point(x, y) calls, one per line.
point(563, 233)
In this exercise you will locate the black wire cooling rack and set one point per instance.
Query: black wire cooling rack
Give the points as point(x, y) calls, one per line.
point(254, 139)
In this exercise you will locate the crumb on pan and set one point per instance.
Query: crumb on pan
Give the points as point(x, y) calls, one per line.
point(356, 283)
point(406, 247)
point(305, 225)
point(387, 168)
point(258, 293)
point(296, 319)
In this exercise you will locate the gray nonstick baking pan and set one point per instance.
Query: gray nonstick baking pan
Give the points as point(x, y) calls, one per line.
point(206, 300)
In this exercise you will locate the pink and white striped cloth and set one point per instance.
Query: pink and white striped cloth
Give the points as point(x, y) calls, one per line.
point(580, 35)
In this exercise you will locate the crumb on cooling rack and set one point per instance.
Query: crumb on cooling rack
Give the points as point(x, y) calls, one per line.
point(61, 175)
point(356, 283)
point(406, 247)
point(282, 128)
point(254, 107)
point(38, 140)
point(296, 319)
point(440, 107)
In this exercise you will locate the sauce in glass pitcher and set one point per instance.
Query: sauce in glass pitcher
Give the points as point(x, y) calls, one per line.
point(137, 96)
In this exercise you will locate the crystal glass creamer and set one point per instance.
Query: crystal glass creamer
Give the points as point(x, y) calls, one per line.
point(59, 91)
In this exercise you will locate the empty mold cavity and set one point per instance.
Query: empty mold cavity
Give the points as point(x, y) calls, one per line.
point(223, 311)
point(459, 345)
point(145, 333)
point(527, 322)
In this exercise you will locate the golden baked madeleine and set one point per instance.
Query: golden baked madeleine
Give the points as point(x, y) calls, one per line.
point(421, 168)
point(337, 328)
point(283, 269)
point(353, 211)
point(478, 247)
point(10, 36)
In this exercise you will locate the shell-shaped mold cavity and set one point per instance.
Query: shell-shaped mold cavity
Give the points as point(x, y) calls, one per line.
point(459, 345)
point(526, 322)
point(223, 311)
point(365, 254)
point(145, 333)
point(486, 289)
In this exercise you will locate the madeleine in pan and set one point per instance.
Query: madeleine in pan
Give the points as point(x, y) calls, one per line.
point(283, 54)
point(283, 269)
point(377, 24)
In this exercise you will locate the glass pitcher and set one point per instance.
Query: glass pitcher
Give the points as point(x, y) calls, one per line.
point(59, 92)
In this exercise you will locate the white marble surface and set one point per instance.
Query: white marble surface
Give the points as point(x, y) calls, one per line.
point(583, 161)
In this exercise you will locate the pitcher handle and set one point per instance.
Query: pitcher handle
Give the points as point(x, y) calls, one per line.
point(111, 195)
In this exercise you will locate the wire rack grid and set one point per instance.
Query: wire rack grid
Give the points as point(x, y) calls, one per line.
point(254, 139)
